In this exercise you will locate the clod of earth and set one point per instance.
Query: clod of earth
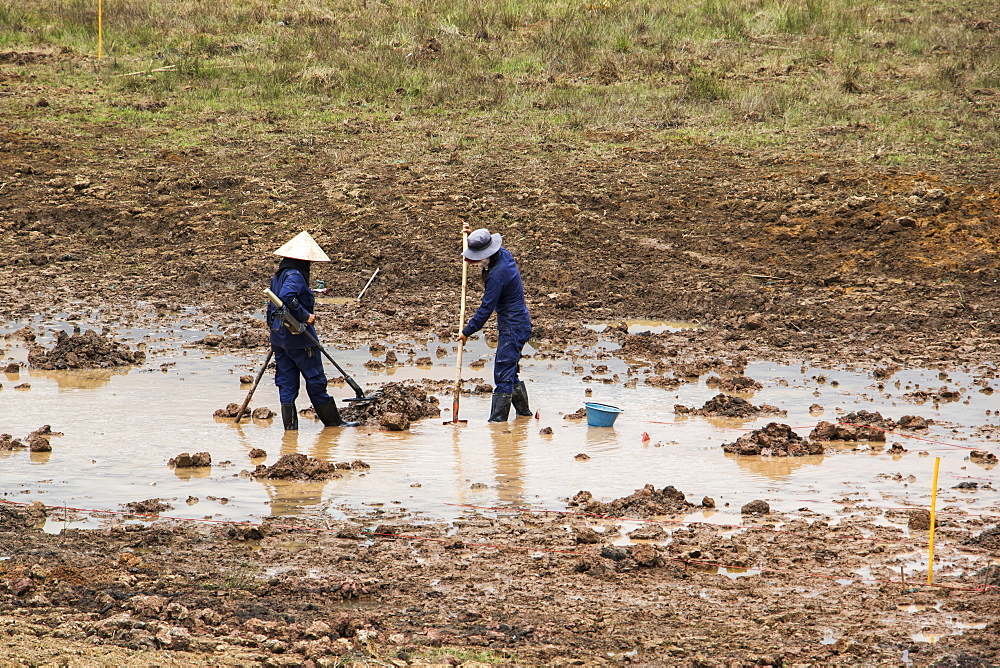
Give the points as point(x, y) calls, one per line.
point(756, 507)
point(774, 439)
point(257, 453)
point(409, 401)
point(262, 413)
point(983, 457)
point(230, 411)
point(643, 502)
point(920, 520)
point(185, 460)
point(89, 350)
point(298, 466)
point(738, 384)
point(148, 507)
point(828, 431)
point(723, 405)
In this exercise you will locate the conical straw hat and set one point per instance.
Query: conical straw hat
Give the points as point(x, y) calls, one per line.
point(303, 247)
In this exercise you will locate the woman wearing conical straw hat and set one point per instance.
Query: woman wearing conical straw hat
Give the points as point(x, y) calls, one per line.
point(296, 355)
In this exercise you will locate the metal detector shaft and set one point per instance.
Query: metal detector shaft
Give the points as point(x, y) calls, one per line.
point(256, 381)
point(298, 328)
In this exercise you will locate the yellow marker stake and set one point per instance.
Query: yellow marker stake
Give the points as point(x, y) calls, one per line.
point(100, 29)
point(930, 542)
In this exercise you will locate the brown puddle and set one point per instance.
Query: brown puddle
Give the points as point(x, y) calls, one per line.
point(121, 426)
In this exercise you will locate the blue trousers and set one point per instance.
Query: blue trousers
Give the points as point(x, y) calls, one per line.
point(507, 362)
point(294, 362)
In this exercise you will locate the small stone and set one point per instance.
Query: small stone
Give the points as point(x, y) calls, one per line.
point(257, 453)
point(708, 502)
point(545, 431)
point(246, 380)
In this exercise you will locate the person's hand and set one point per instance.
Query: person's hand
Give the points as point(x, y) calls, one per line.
point(462, 338)
point(311, 319)
point(466, 229)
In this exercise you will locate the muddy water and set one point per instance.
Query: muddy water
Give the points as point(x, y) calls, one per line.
point(120, 428)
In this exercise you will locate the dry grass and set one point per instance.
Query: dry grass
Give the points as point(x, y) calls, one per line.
point(917, 78)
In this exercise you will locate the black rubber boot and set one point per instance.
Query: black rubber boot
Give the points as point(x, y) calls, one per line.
point(290, 417)
point(520, 399)
point(500, 408)
point(330, 416)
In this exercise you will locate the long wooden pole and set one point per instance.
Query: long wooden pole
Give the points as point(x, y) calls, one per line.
point(461, 324)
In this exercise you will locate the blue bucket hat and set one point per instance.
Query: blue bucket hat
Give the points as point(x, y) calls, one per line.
point(482, 244)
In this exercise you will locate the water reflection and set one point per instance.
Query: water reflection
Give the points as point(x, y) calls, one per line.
point(773, 468)
point(81, 379)
point(508, 458)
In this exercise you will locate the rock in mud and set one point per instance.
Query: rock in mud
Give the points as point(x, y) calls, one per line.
point(774, 439)
point(579, 414)
point(257, 453)
point(262, 413)
point(13, 367)
point(89, 350)
point(410, 401)
point(298, 466)
point(723, 405)
point(643, 502)
point(185, 460)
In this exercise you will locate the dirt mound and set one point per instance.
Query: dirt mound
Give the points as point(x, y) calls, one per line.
point(644, 502)
point(89, 350)
point(737, 384)
point(148, 507)
point(828, 431)
point(774, 439)
point(722, 405)
point(408, 400)
point(300, 467)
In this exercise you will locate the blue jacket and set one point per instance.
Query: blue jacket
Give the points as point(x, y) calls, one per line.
point(293, 290)
point(504, 294)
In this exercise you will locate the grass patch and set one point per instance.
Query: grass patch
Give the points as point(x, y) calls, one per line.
point(750, 70)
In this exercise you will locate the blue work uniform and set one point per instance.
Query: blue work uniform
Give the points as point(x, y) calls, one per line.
point(504, 294)
point(295, 354)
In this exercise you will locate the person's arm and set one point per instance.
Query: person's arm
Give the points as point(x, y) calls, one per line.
point(491, 295)
point(294, 286)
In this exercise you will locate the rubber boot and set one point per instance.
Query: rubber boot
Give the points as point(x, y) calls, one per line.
point(330, 416)
point(500, 408)
point(520, 399)
point(290, 417)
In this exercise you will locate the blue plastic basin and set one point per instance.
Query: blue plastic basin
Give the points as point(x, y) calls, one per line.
point(601, 415)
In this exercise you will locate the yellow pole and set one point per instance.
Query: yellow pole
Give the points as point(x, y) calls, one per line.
point(930, 542)
point(100, 29)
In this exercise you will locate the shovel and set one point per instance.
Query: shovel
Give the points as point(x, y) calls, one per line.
point(297, 327)
point(461, 323)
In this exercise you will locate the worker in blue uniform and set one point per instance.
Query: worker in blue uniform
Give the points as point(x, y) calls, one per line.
point(503, 293)
point(295, 355)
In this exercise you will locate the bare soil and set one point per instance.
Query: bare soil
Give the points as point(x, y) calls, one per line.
point(779, 255)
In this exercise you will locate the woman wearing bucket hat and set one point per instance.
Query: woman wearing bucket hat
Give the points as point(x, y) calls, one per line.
point(503, 293)
point(295, 354)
